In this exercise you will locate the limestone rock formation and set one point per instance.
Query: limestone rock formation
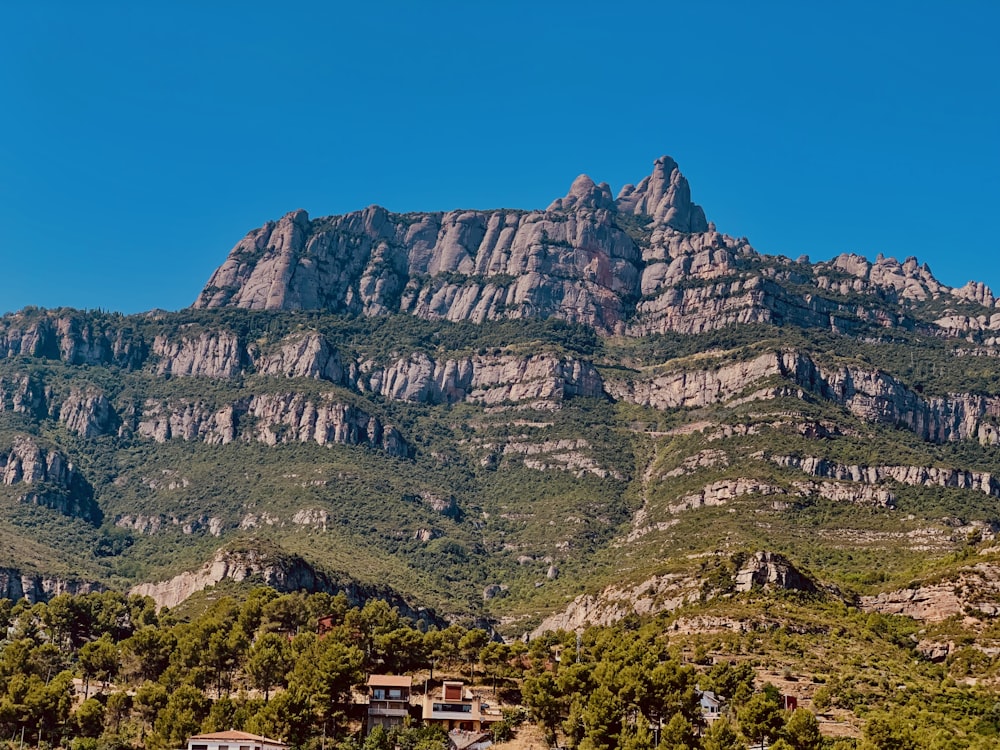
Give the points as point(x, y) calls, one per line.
point(50, 479)
point(665, 196)
point(771, 570)
point(273, 567)
point(212, 354)
point(646, 262)
point(16, 584)
point(270, 419)
point(25, 394)
point(972, 593)
point(75, 338)
point(658, 594)
point(307, 355)
point(88, 413)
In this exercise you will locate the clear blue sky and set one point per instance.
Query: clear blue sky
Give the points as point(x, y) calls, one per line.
point(139, 141)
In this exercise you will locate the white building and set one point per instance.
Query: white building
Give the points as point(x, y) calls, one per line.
point(234, 740)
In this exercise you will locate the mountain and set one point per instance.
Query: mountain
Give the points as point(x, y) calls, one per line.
point(601, 408)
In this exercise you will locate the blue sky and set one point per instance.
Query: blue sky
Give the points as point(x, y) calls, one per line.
point(140, 141)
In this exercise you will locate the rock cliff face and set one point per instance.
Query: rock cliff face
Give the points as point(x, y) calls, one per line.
point(15, 584)
point(307, 355)
point(88, 413)
point(216, 354)
point(646, 262)
point(269, 419)
point(972, 593)
point(870, 394)
point(771, 570)
point(25, 394)
point(49, 479)
point(75, 338)
point(275, 568)
point(669, 592)
point(914, 476)
point(488, 380)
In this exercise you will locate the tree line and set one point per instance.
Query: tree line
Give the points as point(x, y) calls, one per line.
point(106, 671)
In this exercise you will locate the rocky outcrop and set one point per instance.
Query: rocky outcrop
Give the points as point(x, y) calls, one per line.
point(909, 280)
point(49, 479)
point(307, 355)
point(418, 378)
point(212, 354)
point(665, 197)
point(770, 570)
point(972, 593)
point(572, 455)
point(873, 395)
point(149, 525)
point(270, 419)
point(271, 566)
point(25, 394)
point(721, 492)
point(646, 262)
point(15, 584)
point(658, 594)
point(462, 265)
point(76, 338)
point(484, 379)
point(913, 476)
point(282, 572)
point(88, 413)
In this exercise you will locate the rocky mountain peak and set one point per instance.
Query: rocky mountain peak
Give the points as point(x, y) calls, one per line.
point(584, 193)
point(666, 196)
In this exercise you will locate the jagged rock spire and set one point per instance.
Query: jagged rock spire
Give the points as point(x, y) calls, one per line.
point(666, 196)
point(583, 193)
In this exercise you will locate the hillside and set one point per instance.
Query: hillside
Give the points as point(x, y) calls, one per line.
point(503, 416)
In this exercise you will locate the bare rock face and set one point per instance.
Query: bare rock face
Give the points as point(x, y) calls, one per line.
point(647, 262)
point(155, 524)
point(771, 570)
point(216, 354)
point(872, 395)
point(51, 479)
point(25, 395)
point(583, 193)
point(75, 338)
point(282, 573)
point(269, 419)
point(15, 584)
point(88, 413)
point(485, 379)
point(658, 594)
point(665, 196)
point(275, 568)
point(306, 355)
point(914, 476)
point(972, 592)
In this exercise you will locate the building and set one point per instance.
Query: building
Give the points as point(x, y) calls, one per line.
point(454, 707)
point(461, 740)
point(711, 705)
point(233, 740)
point(388, 700)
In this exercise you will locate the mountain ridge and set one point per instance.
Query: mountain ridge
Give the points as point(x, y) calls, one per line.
point(496, 413)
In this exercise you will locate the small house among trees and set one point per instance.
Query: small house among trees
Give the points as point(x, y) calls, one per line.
point(454, 707)
point(233, 740)
point(388, 700)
